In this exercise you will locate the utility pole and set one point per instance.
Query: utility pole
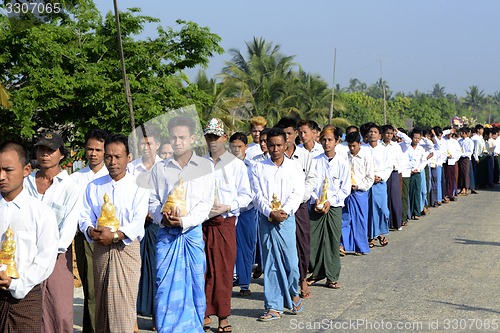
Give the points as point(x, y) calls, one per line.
point(333, 88)
point(383, 91)
point(126, 84)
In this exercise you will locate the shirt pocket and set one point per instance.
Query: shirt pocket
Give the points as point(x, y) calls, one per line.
point(60, 211)
point(26, 249)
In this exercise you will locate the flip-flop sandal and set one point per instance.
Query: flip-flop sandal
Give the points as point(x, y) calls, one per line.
point(312, 280)
point(227, 328)
point(297, 307)
point(245, 293)
point(383, 241)
point(332, 285)
point(269, 316)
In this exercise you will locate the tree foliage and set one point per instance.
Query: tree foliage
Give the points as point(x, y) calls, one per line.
point(64, 73)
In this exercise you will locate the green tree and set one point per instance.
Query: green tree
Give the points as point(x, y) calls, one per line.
point(64, 74)
point(475, 100)
point(259, 79)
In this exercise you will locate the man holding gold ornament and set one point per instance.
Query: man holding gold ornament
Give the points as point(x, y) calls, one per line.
point(28, 251)
point(114, 208)
point(180, 201)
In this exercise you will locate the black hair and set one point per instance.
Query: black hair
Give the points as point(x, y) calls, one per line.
point(352, 126)
point(264, 131)
point(96, 134)
point(387, 127)
point(286, 122)
point(305, 122)
point(117, 138)
point(19, 148)
point(438, 130)
point(239, 136)
point(353, 137)
point(276, 131)
point(416, 131)
point(150, 132)
point(182, 121)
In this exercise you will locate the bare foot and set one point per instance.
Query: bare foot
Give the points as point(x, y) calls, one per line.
point(305, 290)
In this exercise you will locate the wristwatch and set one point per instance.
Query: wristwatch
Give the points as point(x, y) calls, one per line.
point(116, 237)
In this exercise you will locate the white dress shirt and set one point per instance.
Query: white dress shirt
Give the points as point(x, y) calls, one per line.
point(84, 176)
point(381, 159)
point(316, 150)
point(199, 182)
point(454, 151)
point(63, 196)
point(253, 150)
point(130, 201)
point(441, 145)
point(338, 173)
point(35, 227)
point(260, 157)
point(416, 157)
point(362, 169)
point(395, 155)
point(467, 147)
point(304, 159)
point(136, 166)
point(232, 186)
point(479, 146)
point(285, 181)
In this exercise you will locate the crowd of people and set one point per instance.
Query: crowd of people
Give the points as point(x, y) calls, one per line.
point(170, 233)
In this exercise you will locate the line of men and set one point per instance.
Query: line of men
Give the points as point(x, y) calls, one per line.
point(293, 209)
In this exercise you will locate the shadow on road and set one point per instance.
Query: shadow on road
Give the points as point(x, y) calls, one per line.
point(475, 242)
point(467, 307)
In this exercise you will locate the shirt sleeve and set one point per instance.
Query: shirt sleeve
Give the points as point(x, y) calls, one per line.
point(202, 195)
point(69, 225)
point(135, 228)
point(294, 199)
point(45, 260)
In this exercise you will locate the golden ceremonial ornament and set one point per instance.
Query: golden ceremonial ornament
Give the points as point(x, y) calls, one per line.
point(176, 200)
point(7, 254)
point(324, 194)
point(275, 204)
point(108, 216)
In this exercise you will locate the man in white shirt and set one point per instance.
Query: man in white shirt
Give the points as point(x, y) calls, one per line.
point(416, 161)
point(303, 230)
point(149, 143)
point(232, 194)
point(257, 124)
point(378, 216)
point(185, 180)
point(247, 226)
point(306, 135)
point(166, 151)
point(278, 185)
point(394, 199)
point(34, 228)
point(454, 152)
point(464, 162)
point(117, 259)
point(355, 211)
point(53, 186)
point(479, 149)
point(263, 147)
point(94, 152)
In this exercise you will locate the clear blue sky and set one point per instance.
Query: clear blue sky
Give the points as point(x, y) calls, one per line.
point(421, 42)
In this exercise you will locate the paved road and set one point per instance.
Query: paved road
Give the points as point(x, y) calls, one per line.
point(439, 274)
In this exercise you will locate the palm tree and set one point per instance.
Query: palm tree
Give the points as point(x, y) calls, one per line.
point(437, 91)
point(475, 99)
point(260, 79)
